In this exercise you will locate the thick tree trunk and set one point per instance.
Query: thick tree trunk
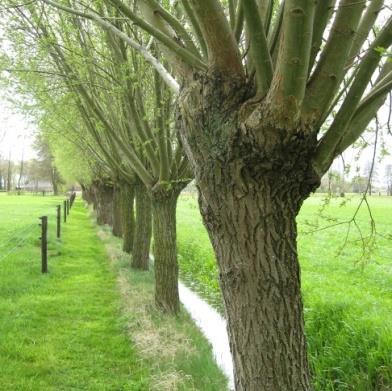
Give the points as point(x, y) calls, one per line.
point(142, 239)
point(252, 177)
point(127, 196)
point(93, 193)
point(165, 250)
point(117, 228)
point(254, 238)
point(104, 201)
point(88, 194)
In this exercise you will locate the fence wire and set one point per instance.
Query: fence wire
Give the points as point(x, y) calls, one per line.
point(27, 235)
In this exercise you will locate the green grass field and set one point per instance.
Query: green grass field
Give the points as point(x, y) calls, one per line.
point(90, 323)
point(60, 331)
point(347, 291)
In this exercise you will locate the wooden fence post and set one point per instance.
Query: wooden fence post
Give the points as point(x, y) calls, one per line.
point(58, 221)
point(44, 244)
point(65, 211)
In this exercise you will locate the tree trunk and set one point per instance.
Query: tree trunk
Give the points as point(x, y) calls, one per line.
point(93, 194)
point(127, 196)
point(165, 250)
point(142, 239)
point(88, 193)
point(84, 192)
point(55, 181)
point(252, 177)
point(9, 175)
point(254, 238)
point(117, 229)
point(104, 200)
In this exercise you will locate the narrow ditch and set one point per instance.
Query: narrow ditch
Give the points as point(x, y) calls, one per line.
point(212, 325)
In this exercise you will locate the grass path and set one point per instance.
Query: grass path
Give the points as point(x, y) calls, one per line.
point(63, 331)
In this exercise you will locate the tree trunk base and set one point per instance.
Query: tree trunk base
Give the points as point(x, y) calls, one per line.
point(142, 239)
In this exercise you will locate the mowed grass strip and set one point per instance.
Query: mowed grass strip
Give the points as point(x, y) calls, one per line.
point(177, 352)
point(347, 294)
point(61, 331)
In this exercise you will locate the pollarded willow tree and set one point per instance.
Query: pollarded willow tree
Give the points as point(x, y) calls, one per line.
point(266, 108)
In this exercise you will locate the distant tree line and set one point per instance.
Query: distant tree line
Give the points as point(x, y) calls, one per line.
point(38, 174)
point(335, 182)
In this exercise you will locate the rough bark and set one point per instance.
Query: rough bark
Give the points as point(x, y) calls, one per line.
point(117, 228)
point(127, 196)
point(103, 203)
point(254, 238)
point(252, 178)
point(142, 239)
point(164, 203)
point(88, 194)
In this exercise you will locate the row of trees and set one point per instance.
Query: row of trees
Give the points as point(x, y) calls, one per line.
point(371, 180)
point(254, 99)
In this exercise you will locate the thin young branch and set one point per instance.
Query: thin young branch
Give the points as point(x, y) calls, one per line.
point(322, 15)
point(365, 25)
point(176, 25)
point(290, 76)
point(164, 173)
point(258, 46)
point(367, 109)
point(187, 56)
point(274, 32)
point(196, 27)
point(239, 22)
point(165, 74)
point(330, 69)
point(265, 10)
point(326, 150)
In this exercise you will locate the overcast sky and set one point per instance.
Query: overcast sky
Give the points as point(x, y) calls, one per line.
point(16, 133)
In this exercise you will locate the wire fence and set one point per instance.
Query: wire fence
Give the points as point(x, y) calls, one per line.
point(17, 238)
point(20, 241)
point(15, 235)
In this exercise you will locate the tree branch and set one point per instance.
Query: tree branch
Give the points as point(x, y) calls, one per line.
point(166, 76)
point(176, 25)
point(195, 25)
point(367, 110)
point(187, 56)
point(322, 15)
point(223, 52)
point(258, 46)
point(329, 71)
point(290, 76)
point(365, 25)
point(327, 146)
